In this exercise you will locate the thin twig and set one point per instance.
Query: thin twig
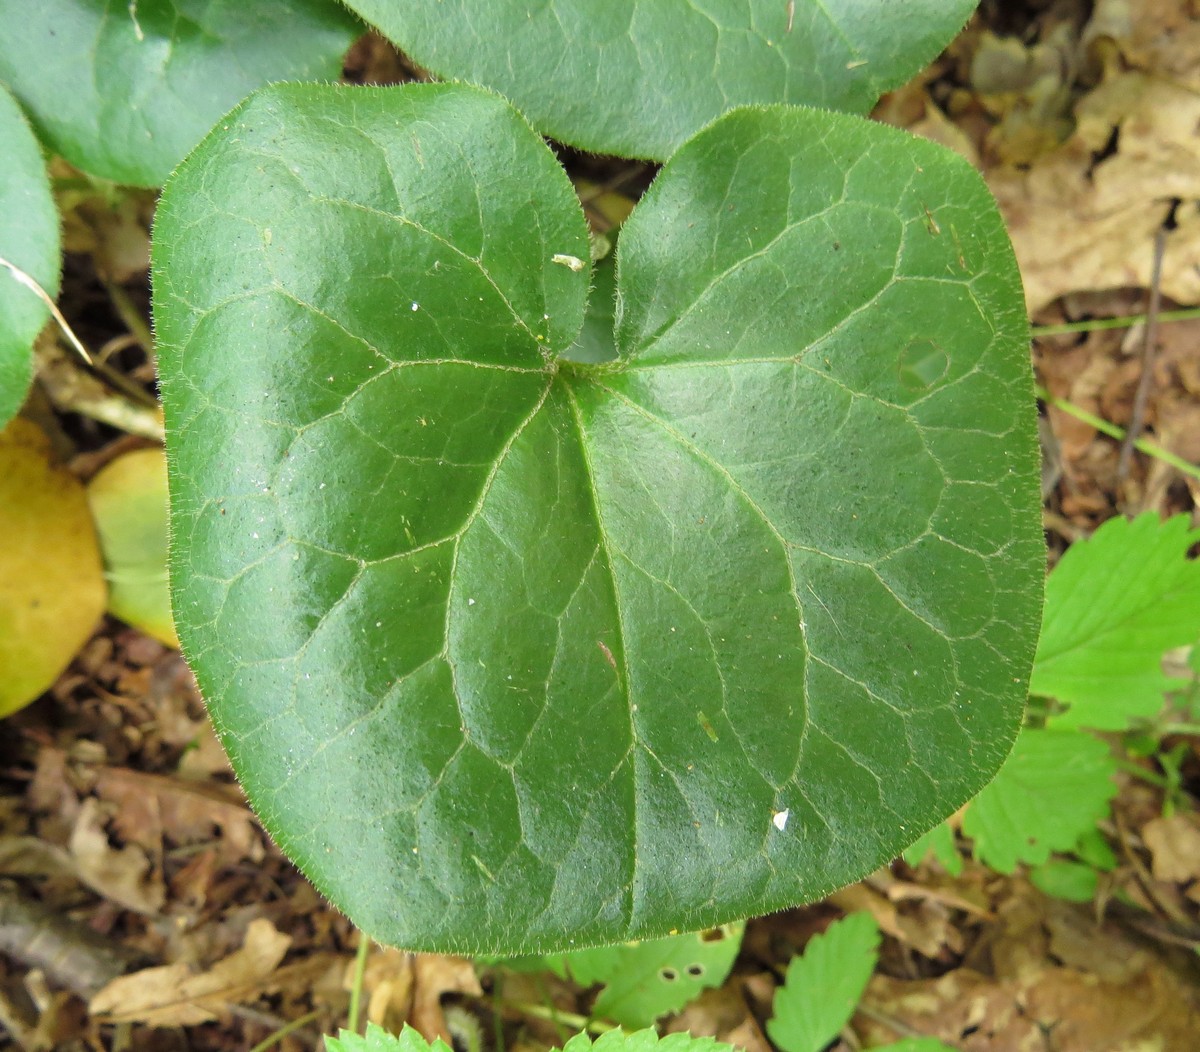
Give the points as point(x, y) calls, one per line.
point(1137, 417)
point(579, 1022)
point(130, 315)
point(892, 1023)
point(269, 1021)
point(1143, 876)
point(1143, 445)
point(99, 369)
point(1126, 321)
point(32, 284)
point(70, 953)
point(283, 1031)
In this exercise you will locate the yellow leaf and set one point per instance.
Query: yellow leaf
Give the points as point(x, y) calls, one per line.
point(51, 584)
point(129, 501)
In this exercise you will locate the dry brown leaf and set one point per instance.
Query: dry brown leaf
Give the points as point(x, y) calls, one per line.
point(928, 931)
point(1077, 224)
point(433, 977)
point(975, 1013)
point(172, 995)
point(1162, 36)
point(123, 875)
point(388, 979)
point(724, 1014)
point(1174, 845)
point(1052, 970)
point(189, 812)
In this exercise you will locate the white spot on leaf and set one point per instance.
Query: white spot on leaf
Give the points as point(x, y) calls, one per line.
point(563, 260)
point(780, 818)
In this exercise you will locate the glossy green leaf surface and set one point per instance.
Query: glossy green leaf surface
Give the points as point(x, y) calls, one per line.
point(28, 241)
point(514, 654)
point(637, 77)
point(123, 89)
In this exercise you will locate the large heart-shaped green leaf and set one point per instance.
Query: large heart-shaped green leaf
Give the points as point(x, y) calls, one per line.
point(637, 77)
point(514, 653)
point(124, 88)
point(28, 242)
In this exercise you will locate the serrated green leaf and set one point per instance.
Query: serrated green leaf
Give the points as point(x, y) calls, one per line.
point(123, 89)
point(1054, 788)
point(824, 985)
point(940, 843)
point(644, 1041)
point(646, 980)
point(515, 654)
point(1114, 605)
point(377, 1039)
point(637, 78)
point(28, 241)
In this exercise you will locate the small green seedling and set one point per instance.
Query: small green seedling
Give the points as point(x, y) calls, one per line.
point(824, 985)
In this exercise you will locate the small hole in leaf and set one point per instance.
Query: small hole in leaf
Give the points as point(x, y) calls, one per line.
point(695, 970)
point(712, 935)
point(668, 975)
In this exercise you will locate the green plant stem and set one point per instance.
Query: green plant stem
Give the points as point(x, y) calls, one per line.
point(356, 987)
point(1103, 324)
point(1143, 445)
point(498, 1013)
point(579, 1022)
point(130, 316)
point(283, 1031)
point(1138, 771)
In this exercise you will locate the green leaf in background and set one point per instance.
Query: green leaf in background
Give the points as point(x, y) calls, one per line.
point(377, 1039)
point(940, 843)
point(637, 78)
point(1096, 851)
point(128, 498)
point(1114, 605)
point(517, 654)
point(644, 1041)
point(1053, 790)
point(29, 241)
point(1064, 879)
point(646, 980)
point(123, 89)
point(824, 985)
